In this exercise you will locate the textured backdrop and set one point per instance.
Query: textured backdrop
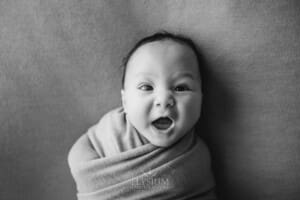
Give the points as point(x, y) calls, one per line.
point(60, 71)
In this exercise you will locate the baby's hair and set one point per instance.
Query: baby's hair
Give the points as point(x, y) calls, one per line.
point(161, 36)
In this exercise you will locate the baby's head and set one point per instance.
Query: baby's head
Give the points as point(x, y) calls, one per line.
point(161, 87)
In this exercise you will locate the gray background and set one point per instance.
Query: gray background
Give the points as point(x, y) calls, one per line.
point(60, 71)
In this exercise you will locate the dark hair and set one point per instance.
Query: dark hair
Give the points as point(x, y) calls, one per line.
point(161, 36)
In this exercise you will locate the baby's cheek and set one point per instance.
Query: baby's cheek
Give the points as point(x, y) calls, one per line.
point(142, 111)
point(192, 101)
point(193, 107)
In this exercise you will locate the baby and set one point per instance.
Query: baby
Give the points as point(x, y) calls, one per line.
point(149, 148)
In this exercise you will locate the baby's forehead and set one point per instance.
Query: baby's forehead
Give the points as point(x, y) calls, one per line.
point(166, 48)
point(165, 45)
point(163, 57)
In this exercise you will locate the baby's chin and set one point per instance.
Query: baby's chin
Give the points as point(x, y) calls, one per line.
point(162, 144)
point(163, 141)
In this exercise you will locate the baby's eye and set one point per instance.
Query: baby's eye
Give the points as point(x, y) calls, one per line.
point(145, 87)
point(182, 88)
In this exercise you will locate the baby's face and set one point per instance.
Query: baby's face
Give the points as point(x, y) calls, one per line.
point(162, 91)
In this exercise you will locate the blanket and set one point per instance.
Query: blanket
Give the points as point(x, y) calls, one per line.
point(132, 168)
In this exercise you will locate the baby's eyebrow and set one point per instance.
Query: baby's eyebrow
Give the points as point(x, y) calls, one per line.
point(143, 74)
point(184, 75)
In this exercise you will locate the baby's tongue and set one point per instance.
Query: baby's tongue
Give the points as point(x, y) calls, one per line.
point(162, 123)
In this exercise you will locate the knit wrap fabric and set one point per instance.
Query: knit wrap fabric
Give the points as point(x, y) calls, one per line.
point(141, 170)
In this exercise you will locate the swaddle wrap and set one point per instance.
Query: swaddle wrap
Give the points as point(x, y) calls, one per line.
point(130, 168)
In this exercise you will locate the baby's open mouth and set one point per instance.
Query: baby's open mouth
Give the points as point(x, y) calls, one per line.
point(162, 123)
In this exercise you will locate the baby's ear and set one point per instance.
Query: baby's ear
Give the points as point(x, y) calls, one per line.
point(123, 100)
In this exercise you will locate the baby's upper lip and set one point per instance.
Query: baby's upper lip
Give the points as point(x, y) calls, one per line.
point(163, 116)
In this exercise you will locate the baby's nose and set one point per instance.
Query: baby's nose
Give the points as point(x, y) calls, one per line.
point(164, 99)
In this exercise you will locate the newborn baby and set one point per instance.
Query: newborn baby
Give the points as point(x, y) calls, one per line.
point(149, 147)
